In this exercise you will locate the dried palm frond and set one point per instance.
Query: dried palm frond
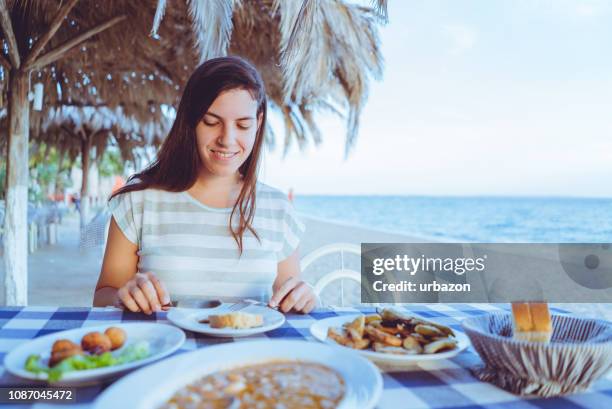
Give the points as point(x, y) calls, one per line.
point(119, 65)
point(350, 51)
point(66, 126)
point(312, 54)
point(381, 9)
point(212, 23)
point(159, 15)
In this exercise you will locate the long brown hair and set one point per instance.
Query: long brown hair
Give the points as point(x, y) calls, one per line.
point(176, 167)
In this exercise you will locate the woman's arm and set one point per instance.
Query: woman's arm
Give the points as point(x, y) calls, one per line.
point(120, 264)
point(289, 267)
point(120, 282)
point(289, 292)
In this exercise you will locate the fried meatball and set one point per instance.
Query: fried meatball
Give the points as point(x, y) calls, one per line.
point(96, 343)
point(63, 349)
point(117, 337)
point(63, 345)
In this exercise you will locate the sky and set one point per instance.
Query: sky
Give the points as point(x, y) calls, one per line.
point(478, 97)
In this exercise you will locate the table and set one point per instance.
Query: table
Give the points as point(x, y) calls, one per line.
point(443, 384)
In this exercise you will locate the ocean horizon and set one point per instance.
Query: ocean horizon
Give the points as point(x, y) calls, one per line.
point(492, 219)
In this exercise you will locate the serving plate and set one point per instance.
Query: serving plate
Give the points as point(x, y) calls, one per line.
point(163, 340)
point(188, 318)
point(319, 331)
point(150, 387)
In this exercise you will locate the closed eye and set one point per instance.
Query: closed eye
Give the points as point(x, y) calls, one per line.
point(210, 123)
point(244, 123)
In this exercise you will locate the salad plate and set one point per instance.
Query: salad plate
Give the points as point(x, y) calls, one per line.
point(144, 343)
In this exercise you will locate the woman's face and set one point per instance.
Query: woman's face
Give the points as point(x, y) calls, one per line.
point(226, 135)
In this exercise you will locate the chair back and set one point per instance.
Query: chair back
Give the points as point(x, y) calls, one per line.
point(342, 274)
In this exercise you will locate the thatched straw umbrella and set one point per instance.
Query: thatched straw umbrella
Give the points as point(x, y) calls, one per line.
point(313, 54)
point(90, 130)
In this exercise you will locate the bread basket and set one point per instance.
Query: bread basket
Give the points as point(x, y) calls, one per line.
point(579, 352)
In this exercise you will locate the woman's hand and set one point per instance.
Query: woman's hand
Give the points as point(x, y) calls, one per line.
point(144, 292)
point(295, 295)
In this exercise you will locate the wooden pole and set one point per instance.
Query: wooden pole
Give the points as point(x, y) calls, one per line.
point(60, 50)
point(5, 63)
point(53, 27)
point(85, 159)
point(16, 218)
point(9, 35)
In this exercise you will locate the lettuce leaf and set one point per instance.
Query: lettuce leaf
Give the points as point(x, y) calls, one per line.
point(33, 364)
point(131, 353)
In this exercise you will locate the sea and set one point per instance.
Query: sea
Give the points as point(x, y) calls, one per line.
point(471, 219)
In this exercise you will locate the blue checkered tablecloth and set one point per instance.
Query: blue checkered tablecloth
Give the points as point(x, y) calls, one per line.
point(441, 384)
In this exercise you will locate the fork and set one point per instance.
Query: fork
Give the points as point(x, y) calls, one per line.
point(263, 304)
point(241, 305)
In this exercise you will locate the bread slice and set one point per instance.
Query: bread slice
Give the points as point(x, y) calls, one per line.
point(238, 320)
point(531, 321)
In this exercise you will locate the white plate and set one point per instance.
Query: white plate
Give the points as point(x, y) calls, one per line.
point(319, 331)
point(152, 386)
point(187, 318)
point(163, 340)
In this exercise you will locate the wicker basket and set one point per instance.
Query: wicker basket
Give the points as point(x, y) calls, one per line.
point(580, 351)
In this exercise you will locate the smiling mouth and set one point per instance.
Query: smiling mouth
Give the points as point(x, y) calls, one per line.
point(223, 154)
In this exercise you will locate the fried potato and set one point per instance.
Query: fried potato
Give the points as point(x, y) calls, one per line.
point(354, 335)
point(439, 345)
point(380, 347)
point(405, 332)
point(355, 343)
point(356, 327)
point(422, 340)
point(388, 314)
point(389, 330)
point(381, 336)
point(428, 331)
point(361, 344)
point(398, 329)
point(339, 338)
point(412, 344)
point(371, 318)
point(448, 331)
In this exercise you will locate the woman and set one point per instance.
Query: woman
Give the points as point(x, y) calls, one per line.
point(196, 222)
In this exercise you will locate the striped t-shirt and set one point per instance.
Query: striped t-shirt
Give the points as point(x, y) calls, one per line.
point(188, 245)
